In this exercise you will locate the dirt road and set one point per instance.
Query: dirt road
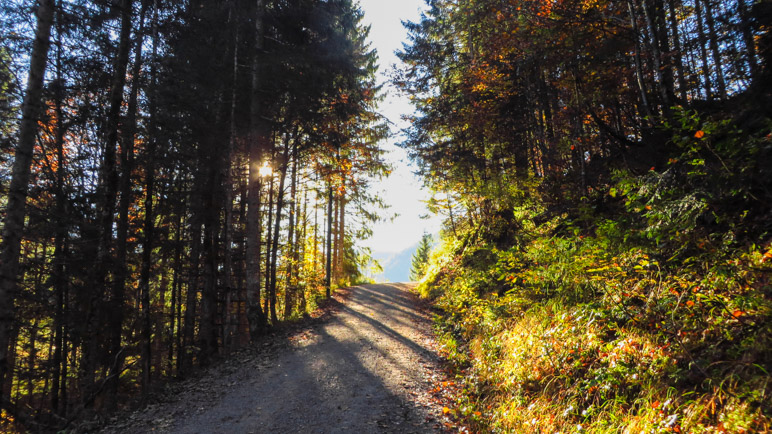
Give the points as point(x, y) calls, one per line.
point(366, 369)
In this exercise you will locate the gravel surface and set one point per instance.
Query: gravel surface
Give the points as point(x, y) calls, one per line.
point(369, 367)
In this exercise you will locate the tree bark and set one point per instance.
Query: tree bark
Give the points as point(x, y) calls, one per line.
point(277, 225)
point(240, 274)
point(292, 244)
point(660, 17)
point(211, 217)
point(177, 296)
point(335, 239)
point(257, 144)
point(341, 233)
point(660, 67)
point(302, 256)
point(713, 39)
point(121, 268)
point(703, 51)
point(638, 63)
point(268, 244)
point(149, 222)
point(750, 43)
point(230, 315)
point(153, 349)
point(188, 331)
point(208, 331)
point(58, 276)
point(107, 192)
point(677, 55)
point(19, 186)
point(315, 256)
point(328, 274)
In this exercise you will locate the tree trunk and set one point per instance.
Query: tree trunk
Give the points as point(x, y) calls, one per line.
point(328, 274)
point(341, 221)
point(107, 192)
point(713, 38)
point(230, 315)
point(20, 173)
point(185, 357)
point(335, 241)
point(703, 51)
point(677, 55)
point(660, 68)
point(315, 256)
point(208, 329)
point(7, 392)
point(638, 63)
point(243, 323)
point(277, 226)
point(58, 276)
point(291, 241)
point(302, 256)
point(750, 43)
point(149, 222)
point(268, 244)
point(121, 268)
point(257, 145)
point(153, 349)
point(32, 356)
point(176, 311)
point(660, 18)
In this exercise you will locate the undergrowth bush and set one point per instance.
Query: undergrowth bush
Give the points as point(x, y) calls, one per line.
point(654, 318)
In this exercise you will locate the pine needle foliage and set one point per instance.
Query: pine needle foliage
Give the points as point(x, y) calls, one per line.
point(421, 258)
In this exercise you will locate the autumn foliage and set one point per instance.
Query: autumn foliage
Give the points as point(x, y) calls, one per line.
point(603, 170)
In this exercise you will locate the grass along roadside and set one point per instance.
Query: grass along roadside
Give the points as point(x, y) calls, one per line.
point(575, 330)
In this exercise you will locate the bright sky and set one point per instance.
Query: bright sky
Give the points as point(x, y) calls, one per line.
point(402, 190)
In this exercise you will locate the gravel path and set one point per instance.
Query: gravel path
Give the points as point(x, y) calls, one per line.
point(369, 368)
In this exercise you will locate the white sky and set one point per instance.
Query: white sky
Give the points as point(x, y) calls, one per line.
point(402, 190)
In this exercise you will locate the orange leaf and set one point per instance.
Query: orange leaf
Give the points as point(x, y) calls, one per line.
point(737, 313)
point(690, 303)
point(655, 404)
point(699, 134)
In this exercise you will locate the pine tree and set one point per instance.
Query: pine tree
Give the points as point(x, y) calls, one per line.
point(421, 258)
point(15, 208)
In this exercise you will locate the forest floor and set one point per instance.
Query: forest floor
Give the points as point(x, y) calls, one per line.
point(368, 364)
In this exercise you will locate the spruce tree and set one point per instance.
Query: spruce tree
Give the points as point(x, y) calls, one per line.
point(421, 258)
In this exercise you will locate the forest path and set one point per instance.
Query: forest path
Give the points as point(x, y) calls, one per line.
point(369, 368)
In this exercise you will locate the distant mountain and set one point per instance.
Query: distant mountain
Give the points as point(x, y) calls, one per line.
point(396, 266)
